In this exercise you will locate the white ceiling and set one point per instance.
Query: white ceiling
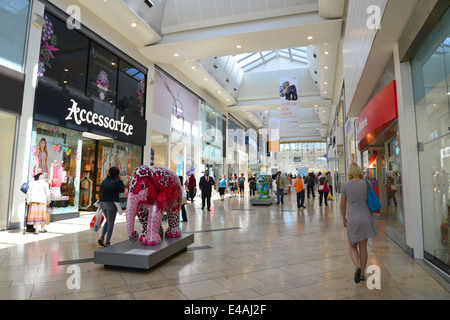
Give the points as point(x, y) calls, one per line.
point(192, 33)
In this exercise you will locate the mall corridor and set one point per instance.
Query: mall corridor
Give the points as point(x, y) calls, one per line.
point(241, 252)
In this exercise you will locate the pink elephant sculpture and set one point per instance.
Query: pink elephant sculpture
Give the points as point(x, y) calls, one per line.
point(153, 190)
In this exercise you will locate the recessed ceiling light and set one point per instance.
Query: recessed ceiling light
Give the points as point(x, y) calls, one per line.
point(238, 46)
point(325, 83)
point(113, 63)
point(176, 55)
point(326, 68)
point(206, 79)
point(326, 52)
point(310, 37)
point(66, 70)
point(134, 25)
point(325, 92)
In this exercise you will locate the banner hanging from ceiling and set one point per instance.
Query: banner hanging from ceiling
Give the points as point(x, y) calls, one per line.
point(289, 106)
point(274, 134)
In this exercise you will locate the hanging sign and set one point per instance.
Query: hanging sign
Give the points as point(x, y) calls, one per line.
point(289, 106)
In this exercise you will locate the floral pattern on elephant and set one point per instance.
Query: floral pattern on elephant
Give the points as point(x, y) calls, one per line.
point(153, 191)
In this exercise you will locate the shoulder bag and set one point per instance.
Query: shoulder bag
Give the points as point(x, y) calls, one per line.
point(372, 199)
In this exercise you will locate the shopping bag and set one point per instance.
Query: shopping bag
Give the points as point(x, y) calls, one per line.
point(97, 220)
point(119, 208)
point(372, 199)
point(330, 197)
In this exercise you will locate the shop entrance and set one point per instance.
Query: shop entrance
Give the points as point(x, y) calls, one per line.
point(99, 154)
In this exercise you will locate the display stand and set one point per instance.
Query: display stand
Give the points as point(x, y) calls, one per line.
point(261, 202)
point(127, 254)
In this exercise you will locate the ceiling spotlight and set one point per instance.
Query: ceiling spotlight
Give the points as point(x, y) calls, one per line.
point(176, 55)
point(134, 25)
point(239, 46)
point(326, 52)
point(310, 38)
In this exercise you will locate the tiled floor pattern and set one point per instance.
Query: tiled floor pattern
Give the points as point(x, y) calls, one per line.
point(276, 252)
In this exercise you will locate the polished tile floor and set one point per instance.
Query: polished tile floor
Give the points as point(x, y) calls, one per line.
point(241, 252)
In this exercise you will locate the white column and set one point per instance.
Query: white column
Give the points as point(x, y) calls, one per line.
point(26, 119)
point(412, 205)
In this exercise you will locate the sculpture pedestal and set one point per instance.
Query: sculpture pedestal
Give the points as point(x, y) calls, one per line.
point(127, 254)
point(261, 202)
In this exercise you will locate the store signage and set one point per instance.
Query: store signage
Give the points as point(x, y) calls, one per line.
point(379, 113)
point(71, 110)
point(82, 115)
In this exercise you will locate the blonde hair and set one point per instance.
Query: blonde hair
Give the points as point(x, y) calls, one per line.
point(354, 171)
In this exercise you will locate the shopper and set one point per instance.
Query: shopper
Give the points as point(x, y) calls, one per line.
point(38, 198)
point(252, 185)
point(323, 189)
point(222, 186)
point(206, 184)
point(357, 218)
point(298, 184)
point(110, 188)
point(241, 184)
point(310, 184)
point(330, 182)
point(391, 190)
point(289, 182)
point(281, 184)
point(183, 201)
point(191, 187)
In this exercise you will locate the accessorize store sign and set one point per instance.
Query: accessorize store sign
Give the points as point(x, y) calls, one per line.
point(379, 113)
point(71, 110)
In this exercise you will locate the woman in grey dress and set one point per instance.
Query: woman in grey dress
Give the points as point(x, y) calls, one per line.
point(357, 218)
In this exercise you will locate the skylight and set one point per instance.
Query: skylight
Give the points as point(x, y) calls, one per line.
point(251, 61)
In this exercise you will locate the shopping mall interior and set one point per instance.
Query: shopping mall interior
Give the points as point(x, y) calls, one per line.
point(164, 89)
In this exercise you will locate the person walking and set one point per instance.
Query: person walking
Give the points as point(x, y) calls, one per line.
point(298, 184)
point(233, 186)
point(358, 219)
point(110, 188)
point(252, 185)
point(222, 186)
point(38, 198)
point(241, 182)
point(192, 184)
point(310, 184)
point(206, 184)
point(281, 184)
point(330, 182)
point(183, 201)
point(323, 190)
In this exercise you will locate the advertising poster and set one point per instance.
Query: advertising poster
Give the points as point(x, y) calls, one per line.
point(289, 106)
point(274, 134)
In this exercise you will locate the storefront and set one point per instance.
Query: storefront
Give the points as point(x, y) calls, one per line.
point(88, 116)
point(213, 141)
point(176, 130)
point(14, 23)
point(431, 79)
point(378, 141)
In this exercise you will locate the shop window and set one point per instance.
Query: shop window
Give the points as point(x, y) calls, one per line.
point(63, 55)
point(131, 90)
point(57, 152)
point(13, 31)
point(102, 75)
point(160, 152)
point(121, 155)
point(431, 77)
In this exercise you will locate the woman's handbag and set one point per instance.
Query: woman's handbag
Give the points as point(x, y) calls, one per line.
point(372, 199)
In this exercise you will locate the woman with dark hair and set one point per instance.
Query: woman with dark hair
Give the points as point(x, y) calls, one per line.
point(38, 198)
point(110, 189)
point(183, 201)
